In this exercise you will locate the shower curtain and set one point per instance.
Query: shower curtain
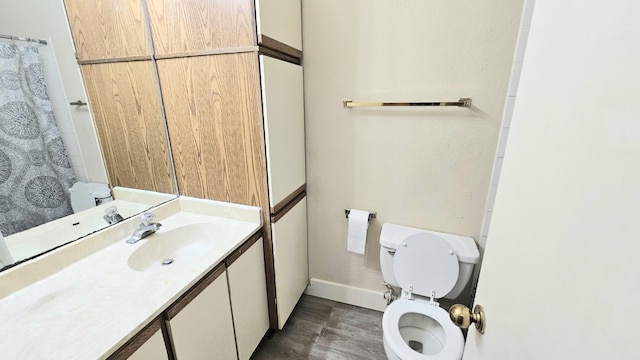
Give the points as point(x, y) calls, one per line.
point(35, 173)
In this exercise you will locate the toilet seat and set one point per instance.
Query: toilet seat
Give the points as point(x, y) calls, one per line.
point(81, 197)
point(453, 347)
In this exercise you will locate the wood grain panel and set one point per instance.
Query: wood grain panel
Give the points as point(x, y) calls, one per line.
point(108, 28)
point(212, 105)
point(192, 25)
point(125, 104)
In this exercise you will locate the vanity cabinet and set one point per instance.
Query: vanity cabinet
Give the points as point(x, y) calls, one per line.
point(231, 88)
point(200, 323)
point(227, 147)
point(247, 286)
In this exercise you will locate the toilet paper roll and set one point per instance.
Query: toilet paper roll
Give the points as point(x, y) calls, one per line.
point(357, 232)
point(5, 255)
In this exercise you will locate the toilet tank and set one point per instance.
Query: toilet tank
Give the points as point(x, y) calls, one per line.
point(465, 248)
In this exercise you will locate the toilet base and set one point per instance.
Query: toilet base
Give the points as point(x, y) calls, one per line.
point(387, 351)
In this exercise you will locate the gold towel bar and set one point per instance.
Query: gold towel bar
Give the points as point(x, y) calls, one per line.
point(462, 102)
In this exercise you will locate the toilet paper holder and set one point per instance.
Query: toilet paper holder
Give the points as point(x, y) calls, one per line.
point(372, 214)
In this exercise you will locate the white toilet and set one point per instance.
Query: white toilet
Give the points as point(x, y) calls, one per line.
point(87, 195)
point(427, 265)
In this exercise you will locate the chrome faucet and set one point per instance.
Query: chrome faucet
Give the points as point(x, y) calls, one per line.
point(147, 227)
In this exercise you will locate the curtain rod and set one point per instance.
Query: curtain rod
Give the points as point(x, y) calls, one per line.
point(43, 42)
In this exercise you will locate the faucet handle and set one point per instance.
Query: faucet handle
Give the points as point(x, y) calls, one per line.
point(111, 210)
point(147, 218)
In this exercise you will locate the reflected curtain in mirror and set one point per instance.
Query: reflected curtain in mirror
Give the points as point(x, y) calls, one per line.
point(35, 173)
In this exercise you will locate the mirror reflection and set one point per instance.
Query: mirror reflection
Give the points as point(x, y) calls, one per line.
point(54, 186)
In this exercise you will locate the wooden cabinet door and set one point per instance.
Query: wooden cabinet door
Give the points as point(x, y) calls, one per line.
point(283, 109)
point(248, 289)
point(200, 323)
point(212, 105)
point(126, 109)
point(290, 259)
point(188, 26)
point(108, 29)
point(279, 20)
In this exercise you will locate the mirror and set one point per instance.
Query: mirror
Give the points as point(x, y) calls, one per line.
point(49, 144)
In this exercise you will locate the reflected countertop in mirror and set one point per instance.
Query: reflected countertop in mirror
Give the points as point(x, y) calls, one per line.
point(62, 85)
point(40, 239)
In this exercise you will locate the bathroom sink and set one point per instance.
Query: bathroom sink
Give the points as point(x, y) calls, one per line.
point(175, 247)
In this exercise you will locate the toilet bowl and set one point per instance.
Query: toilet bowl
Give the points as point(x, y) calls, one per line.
point(427, 266)
point(87, 195)
point(416, 329)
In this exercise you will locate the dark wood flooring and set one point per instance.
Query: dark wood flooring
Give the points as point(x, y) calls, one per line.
point(321, 329)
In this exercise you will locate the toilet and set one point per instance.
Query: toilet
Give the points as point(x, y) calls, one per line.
point(87, 195)
point(427, 266)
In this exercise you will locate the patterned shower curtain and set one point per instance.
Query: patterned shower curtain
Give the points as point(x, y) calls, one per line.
point(35, 173)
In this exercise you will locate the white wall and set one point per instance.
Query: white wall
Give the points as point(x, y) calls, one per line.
point(422, 167)
point(45, 19)
point(514, 81)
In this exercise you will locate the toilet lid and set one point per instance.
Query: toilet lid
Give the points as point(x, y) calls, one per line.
point(81, 198)
point(427, 262)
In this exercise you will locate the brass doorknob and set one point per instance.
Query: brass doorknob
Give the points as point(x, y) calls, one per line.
point(463, 317)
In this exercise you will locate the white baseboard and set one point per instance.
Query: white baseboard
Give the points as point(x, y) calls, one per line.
point(351, 295)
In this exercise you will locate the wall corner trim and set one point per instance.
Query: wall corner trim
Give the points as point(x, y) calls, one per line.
point(351, 295)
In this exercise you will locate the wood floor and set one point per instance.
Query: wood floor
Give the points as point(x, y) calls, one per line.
point(321, 329)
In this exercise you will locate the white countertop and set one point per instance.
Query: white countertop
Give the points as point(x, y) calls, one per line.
point(91, 307)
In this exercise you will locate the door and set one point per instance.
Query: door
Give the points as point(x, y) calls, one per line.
point(201, 324)
point(560, 276)
point(249, 303)
point(290, 259)
point(283, 109)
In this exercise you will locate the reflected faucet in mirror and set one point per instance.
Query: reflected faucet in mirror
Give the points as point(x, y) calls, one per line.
point(111, 215)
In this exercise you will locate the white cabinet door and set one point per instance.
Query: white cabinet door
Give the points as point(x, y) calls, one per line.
point(153, 348)
point(283, 107)
point(203, 329)
point(280, 20)
point(248, 289)
point(290, 259)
